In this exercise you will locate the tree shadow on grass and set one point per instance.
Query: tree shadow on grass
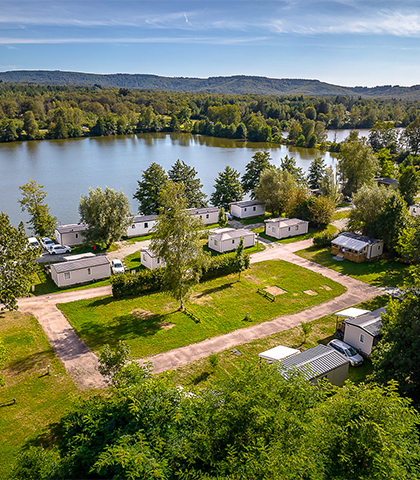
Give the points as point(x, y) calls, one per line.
point(209, 291)
point(102, 302)
point(51, 436)
point(30, 362)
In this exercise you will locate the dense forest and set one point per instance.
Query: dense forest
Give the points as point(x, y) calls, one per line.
point(35, 112)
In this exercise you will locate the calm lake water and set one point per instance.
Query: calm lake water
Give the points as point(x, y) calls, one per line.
point(67, 168)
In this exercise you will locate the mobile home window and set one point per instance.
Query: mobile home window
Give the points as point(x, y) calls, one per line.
point(207, 216)
point(297, 227)
point(215, 243)
point(362, 338)
point(146, 225)
point(133, 226)
point(233, 241)
point(67, 276)
point(289, 229)
point(254, 208)
point(158, 260)
point(244, 209)
point(89, 271)
point(76, 235)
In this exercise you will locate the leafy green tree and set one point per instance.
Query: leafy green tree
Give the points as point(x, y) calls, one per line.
point(241, 132)
point(316, 172)
point(409, 183)
point(412, 136)
point(368, 202)
point(275, 189)
point(187, 176)
point(153, 180)
point(111, 363)
point(222, 220)
point(321, 211)
point(386, 164)
point(227, 188)
point(329, 187)
point(176, 239)
point(30, 125)
point(300, 142)
point(295, 129)
point(59, 129)
point(33, 196)
point(357, 163)
point(240, 261)
point(406, 245)
point(308, 128)
point(383, 135)
point(18, 266)
point(288, 164)
point(107, 214)
point(260, 161)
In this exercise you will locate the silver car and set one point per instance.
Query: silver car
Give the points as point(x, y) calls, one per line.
point(348, 351)
point(59, 249)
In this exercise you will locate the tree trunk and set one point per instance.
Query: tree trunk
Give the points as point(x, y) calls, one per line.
point(182, 303)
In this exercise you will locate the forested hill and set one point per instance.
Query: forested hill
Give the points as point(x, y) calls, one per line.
point(238, 84)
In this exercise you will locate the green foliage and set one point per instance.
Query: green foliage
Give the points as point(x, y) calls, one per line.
point(176, 239)
point(316, 172)
point(222, 220)
point(306, 329)
point(324, 238)
point(33, 196)
point(227, 188)
point(240, 258)
point(111, 363)
point(17, 263)
point(133, 285)
point(288, 164)
point(321, 211)
point(186, 176)
point(36, 462)
point(409, 183)
point(329, 186)
point(275, 189)
point(107, 215)
point(250, 179)
point(383, 135)
point(30, 125)
point(153, 180)
point(412, 135)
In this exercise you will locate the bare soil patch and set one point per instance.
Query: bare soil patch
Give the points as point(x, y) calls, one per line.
point(274, 290)
point(142, 314)
point(165, 325)
point(310, 292)
point(326, 287)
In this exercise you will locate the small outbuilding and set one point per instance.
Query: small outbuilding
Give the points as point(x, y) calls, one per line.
point(285, 227)
point(317, 363)
point(71, 235)
point(247, 209)
point(387, 182)
point(362, 332)
point(209, 215)
point(357, 248)
point(83, 270)
point(150, 260)
point(141, 225)
point(227, 239)
point(278, 353)
point(414, 210)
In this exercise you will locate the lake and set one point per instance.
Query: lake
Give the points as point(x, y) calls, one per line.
point(67, 168)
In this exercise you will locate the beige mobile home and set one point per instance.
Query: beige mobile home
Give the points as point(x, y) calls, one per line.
point(141, 225)
point(362, 332)
point(227, 239)
point(84, 270)
point(209, 215)
point(71, 235)
point(317, 363)
point(247, 209)
point(357, 248)
point(285, 227)
point(149, 259)
point(414, 210)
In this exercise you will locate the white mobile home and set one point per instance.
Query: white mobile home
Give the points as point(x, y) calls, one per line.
point(71, 235)
point(227, 239)
point(317, 363)
point(285, 227)
point(141, 225)
point(414, 210)
point(149, 259)
point(84, 270)
point(247, 209)
point(357, 248)
point(362, 332)
point(209, 215)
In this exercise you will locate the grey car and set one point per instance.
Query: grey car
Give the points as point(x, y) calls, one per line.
point(348, 351)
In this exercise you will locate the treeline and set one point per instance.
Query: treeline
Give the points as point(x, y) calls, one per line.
point(36, 112)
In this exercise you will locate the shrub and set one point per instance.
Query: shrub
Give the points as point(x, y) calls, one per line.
point(323, 239)
point(222, 265)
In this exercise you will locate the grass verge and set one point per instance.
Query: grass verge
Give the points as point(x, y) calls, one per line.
point(152, 324)
point(380, 273)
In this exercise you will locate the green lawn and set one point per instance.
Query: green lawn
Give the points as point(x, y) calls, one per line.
point(40, 399)
point(221, 305)
point(202, 371)
point(253, 220)
point(341, 214)
point(380, 273)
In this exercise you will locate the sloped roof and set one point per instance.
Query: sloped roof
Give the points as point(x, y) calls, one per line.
point(86, 262)
point(247, 203)
point(76, 227)
point(371, 322)
point(285, 222)
point(354, 241)
point(143, 218)
point(231, 234)
point(314, 362)
point(198, 211)
point(352, 312)
point(278, 353)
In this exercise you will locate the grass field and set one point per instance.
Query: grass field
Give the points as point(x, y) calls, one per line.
point(152, 323)
point(380, 273)
point(41, 399)
point(225, 363)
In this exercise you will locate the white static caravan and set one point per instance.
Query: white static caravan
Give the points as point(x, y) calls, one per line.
point(317, 363)
point(247, 209)
point(362, 332)
point(357, 248)
point(285, 227)
point(278, 353)
point(149, 260)
point(71, 235)
point(84, 270)
point(227, 239)
point(141, 225)
point(209, 215)
point(414, 210)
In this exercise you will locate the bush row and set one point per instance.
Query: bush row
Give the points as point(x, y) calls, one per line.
point(145, 281)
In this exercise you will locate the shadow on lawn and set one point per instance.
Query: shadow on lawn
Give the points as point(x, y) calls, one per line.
point(30, 362)
point(209, 291)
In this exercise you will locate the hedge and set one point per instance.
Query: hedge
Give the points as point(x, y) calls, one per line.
point(145, 281)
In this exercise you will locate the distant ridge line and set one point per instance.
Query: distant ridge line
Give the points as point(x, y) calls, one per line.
point(235, 84)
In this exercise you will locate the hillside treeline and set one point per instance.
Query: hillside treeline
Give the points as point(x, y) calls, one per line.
point(36, 112)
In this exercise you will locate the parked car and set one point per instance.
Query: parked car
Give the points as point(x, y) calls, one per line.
point(348, 351)
point(46, 243)
point(117, 266)
point(33, 242)
point(59, 249)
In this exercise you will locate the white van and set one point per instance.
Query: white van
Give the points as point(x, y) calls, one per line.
point(33, 242)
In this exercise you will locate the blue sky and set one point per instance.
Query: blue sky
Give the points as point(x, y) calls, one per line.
point(348, 42)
